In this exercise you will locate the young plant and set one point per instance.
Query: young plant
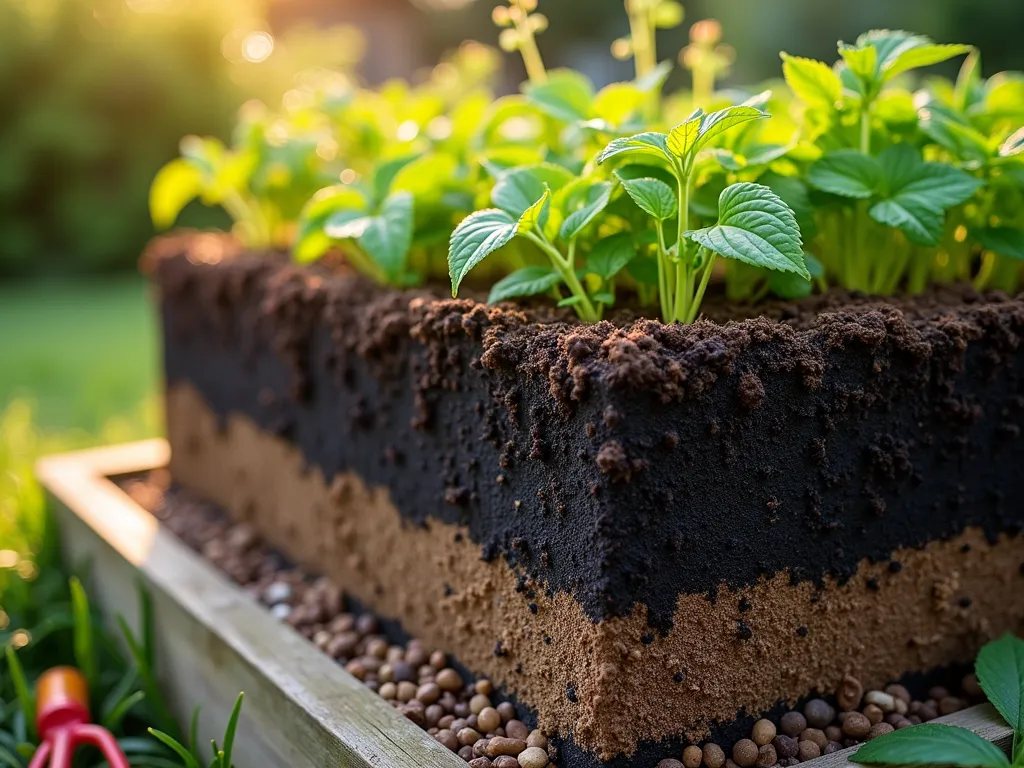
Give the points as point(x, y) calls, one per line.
point(191, 755)
point(1000, 671)
point(754, 225)
point(549, 207)
point(520, 27)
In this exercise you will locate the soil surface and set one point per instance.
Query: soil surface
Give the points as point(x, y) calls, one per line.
point(625, 463)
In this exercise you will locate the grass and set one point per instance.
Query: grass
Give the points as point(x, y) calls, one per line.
point(84, 354)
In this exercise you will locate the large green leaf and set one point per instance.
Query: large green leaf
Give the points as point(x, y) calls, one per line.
point(518, 189)
point(917, 194)
point(1000, 670)
point(755, 226)
point(567, 95)
point(388, 235)
point(595, 200)
point(1005, 241)
point(932, 744)
point(527, 281)
point(921, 56)
point(611, 255)
point(863, 62)
point(814, 82)
point(385, 236)
point(889, 44)
point(848, 173)
point(478, 236)
point(654, 197)
point(650, 144)
point(311, 241)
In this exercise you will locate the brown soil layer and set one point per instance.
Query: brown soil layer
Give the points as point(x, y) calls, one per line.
point(613, 683)
point(626, 463)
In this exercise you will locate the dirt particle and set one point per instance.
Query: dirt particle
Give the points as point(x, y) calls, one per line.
point(751, 391)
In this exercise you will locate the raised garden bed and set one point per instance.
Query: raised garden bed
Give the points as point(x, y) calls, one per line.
point(643, 532)
point(303, 710)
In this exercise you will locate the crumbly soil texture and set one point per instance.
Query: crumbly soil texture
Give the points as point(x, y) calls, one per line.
point(630, 466)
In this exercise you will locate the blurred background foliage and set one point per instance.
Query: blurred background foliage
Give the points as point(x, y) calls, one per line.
point(95, 94)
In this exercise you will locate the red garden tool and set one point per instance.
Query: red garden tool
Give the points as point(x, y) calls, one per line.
point(62, 718)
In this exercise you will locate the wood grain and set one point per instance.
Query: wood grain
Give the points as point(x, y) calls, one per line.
point(213, 640)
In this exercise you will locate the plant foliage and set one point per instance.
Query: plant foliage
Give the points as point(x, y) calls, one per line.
point(867, 173)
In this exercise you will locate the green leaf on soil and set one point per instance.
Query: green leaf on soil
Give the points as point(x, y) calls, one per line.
point(755, 226)
point(1000, 670)
point(595, 200)
point(527, 281)
point(611, 255)
point(479, 235)
point(932, 744)
point(848, 173)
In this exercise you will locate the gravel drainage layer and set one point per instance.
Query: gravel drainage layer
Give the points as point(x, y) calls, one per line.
point(471, 717)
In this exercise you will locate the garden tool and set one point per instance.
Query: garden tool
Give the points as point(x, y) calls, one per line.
point(63, 721)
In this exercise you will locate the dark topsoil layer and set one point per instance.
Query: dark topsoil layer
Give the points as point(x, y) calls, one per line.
point(628, 461)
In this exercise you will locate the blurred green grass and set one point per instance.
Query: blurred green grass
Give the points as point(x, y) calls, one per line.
point(78, 367)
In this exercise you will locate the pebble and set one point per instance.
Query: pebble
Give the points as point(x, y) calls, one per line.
point(501, 745)
point(899, 692)
point(884, 701)
point(514, 729)
point(793, 723)
point(879, 729)
point(533, 757)
point(785, 746)
point(849, 693)
point(763, 732)
point(537, 739)
point(670, 762)
point(766, 757)
point(278, 592)
point(808, 750)
point(692, 757)
point(480, 762)
point(819, 713)
point(744, 753)
point(478, 703)
point(281, 611)
point(814, 735)
point(449, 680)
point(505, 761)
point(714, 756)
point(873, 713)
point(488, 719)
point(856, 725)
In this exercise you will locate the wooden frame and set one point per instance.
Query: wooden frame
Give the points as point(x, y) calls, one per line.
point(213, 640)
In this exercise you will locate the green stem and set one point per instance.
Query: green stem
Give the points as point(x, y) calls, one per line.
point(988, 262)
point(641, 31)
point(684, 277)
point(566, 268)
point(704, 280)
point(865, 127)
point(703, 86)
point(531, 53)
point(664, 296)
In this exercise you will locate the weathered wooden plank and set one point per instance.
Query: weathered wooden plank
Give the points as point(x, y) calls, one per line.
point(214, 640)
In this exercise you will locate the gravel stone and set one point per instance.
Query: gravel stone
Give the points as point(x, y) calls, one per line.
point(714, 755)
point(884, 701)
point(766, 756)
point(879, 729)
point(744, 753)
point(793, 723)
point(692, 757)
point(819, 713)
point(501, 745)
point(533, 757)
point(856, 725)
point(763, 732)
point(808, 750)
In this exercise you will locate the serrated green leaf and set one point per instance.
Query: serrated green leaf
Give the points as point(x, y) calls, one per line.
point(567, 95)
point(814, 82)
point(650, 144)
point(690, 137)
point(596, 200)
point(683, 137)
point(518, 189)
point(921, 56)
point(1000, 670)
point(848, 173)
point(479, 235)
point(755, 226)
point(1014, 145)
point(1004, 241)
point(527, 281)
point(656, 198)
point(536, 214)
point(175, 186)
point(386, 173)
point(932, 744)
point(385, 237)
point(890, 43)
point(862, 62)
point(796, 194)
point(917, 194)
point(611, 255)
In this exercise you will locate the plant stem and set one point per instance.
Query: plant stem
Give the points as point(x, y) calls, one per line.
point(663, 289)
point(684, 273)
point(641, 31)
point(703, 86)
point(531, 53)
point(566, 268)
point(865, 127)
point(988, 262)
point(705, 279)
